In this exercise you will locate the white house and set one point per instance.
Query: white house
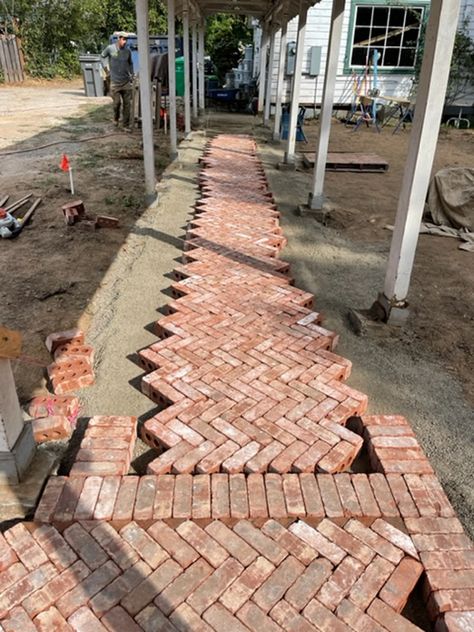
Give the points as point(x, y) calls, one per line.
point(392, 28)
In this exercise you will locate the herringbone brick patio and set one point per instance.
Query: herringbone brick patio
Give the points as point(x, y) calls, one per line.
point(251, 516)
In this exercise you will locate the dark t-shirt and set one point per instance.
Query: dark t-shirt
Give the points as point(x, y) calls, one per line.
point(120, 62)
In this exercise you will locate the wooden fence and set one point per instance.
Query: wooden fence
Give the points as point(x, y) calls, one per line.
point(11, 61)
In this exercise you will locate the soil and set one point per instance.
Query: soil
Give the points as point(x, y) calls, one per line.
point(112, 282)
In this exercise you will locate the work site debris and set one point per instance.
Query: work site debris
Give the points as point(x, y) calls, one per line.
point(104, 221)
point(11, 226)
point(53, 405)
point(51, 428)
point(75, 212)
point(55, 340)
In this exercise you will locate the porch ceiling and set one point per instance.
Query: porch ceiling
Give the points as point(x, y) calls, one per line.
point(271, 11)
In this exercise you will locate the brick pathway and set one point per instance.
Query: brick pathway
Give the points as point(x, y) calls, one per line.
point(249, 517)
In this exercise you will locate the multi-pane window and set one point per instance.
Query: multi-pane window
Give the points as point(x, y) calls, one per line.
point(393, 31)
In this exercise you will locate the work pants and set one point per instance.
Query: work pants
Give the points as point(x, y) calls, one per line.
point(121, 93)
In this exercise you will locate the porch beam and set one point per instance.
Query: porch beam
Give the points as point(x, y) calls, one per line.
point(172, 80)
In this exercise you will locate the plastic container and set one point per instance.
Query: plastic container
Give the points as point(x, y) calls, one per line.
point(180, 76)
point(93, 75)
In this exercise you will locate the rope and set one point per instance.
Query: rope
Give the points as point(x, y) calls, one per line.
point(59, 142)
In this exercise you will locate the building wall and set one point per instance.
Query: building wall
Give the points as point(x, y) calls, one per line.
point(317, 34)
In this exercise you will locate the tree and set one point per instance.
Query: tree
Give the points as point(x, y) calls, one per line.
point(461, 74)
point(226, 35)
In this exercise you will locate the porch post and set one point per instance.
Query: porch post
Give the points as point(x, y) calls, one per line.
point(202, 99)
point(439, 43)
point(187, 92)
point(268, 91)
point(295, 87)
point(145, 97)
point(281, 78)
point(172, 80)
point(194, 73)
point(316, 196)
point(263, 68)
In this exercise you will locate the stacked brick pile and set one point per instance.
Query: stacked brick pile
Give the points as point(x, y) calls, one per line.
point(249, 517)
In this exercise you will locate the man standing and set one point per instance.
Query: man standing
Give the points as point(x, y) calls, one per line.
point(121, 75)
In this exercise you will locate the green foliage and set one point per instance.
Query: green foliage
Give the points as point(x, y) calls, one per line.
point(55, 32)
point(461, 74)
point(226, 35)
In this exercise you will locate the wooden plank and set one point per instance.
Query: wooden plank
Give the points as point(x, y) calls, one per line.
point(17, 60)
point(8, 57)
point(3, 59)
point(10, 343)
point(347, 161)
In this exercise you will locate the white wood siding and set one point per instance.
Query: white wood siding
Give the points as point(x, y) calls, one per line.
point(317, 34)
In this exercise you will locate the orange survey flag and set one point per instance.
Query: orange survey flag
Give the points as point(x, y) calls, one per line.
point(65, 166)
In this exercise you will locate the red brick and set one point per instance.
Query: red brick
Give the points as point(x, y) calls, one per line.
point(237, 461)
point(257, 497)
point(83, 620)
point(125, 501)
point(295, 546)
point(260, 462)
point(146, 590)
point(273, 589)
point(53, 341)
point(85, 546)
point(239, 506)
point(389, 619)
point(147, 547)
point(365, 495)
point(112, 594)
point(456, 622)
point(383, 495)
point(213, 461)
point(215, 585)
point(434, 488)
point(18, 621)
point(221, 619)
point(206, 546)
point(163, 503)
point(455, 560)
point(236, 546)
point(379, 544)
point(51, 428)
point(67, 502)
point(220, 499)
point(201, 500)
point(308, 583)
point(104, 221)
point(151, 618)
point(447, 580)
point(317, 541)
point(445, 600)
point(441, 542)
point(311, 496)
point(429, 524)
point(265, 546)
point(293, 495)
point(312, 456)
point(275, 496)
point(105, 505)
point(184, 618)
point(180, 589)
point(51, 620)
point(289, 619)
point(51, 495)
point(246, 584)
point(25, 546)
point(88, 498)
point(173, 543)
point(340, 583)
point(346, 541)
point(400, 584)
point(255, 619)
point(145, 498)
point(116, 547)
point(330, 497)
point(21, 589)
point(423, 499)
point(370, 582)
point(183, 494)
point(402, 496)
point(347, 495)
point(323, 619)
point(117, 619)
point(395, 536)
point(355, 618)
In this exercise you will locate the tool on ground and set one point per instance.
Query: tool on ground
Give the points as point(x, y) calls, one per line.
point(11, 226)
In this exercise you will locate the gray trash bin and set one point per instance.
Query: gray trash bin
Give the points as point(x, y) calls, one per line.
point(92, 73)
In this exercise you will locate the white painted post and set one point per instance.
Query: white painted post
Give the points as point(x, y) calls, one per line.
point(194, 73)
point(439, 42)
point(145, 97)
point(281, 79)
point(316, 197)
point(263, 69)
point(187, 92)
point(268, 91)
point(202, 95)
point(295, 87)
point(172, 80)
point(16, 441)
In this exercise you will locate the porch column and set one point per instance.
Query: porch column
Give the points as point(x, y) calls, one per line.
point(202, 96)
point(316, 197)
point(194, 73)
point(187, 92)
point(145, 97)
point(295, 86)
point(17, 446)
point(172, 80)
point(263, 69)
point(280, 79)
point(268, 91)
point(439, 43)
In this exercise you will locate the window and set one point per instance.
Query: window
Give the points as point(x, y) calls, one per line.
point(391, 30)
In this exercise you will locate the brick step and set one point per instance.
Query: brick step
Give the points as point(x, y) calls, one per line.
point(107, 447)
point(174, 498)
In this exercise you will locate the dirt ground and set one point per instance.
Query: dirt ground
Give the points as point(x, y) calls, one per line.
point(112, 281)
